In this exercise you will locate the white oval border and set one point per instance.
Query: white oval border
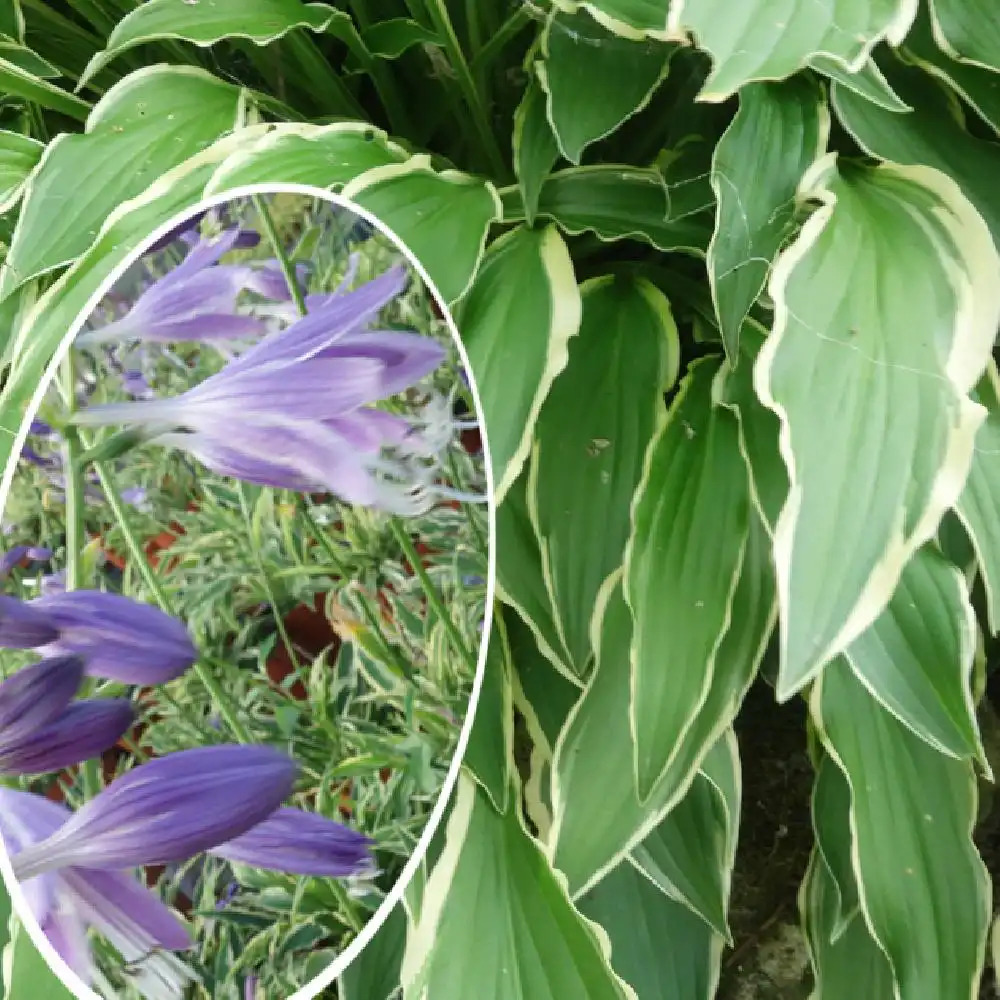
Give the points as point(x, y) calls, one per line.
point(336, 968)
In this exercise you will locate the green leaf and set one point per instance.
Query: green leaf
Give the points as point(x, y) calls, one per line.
point(325, 156)
point(616, 202)
point(847, 965)
point(579, 57)
point(520, 581)
point(977, 505)
point(493, 876)
point(516, 323)
point(442, 218)
point(590, 440)
point(967, 31)
point(779, 130)
point(390, 39)
point(65, 302)
point(535, 148)
point(374, 974)
point(18, 82)
point(868, 82)
point(19, 155)
point(153, 120)
point(923, 887)
point(260, 21)
point(769, 40)
point(27, 60)
point(690, 525)
point(980, 87)
point(635, 19)
point(690, 855)
point(25, 972)
point(831, 807)
point(931, 135)
point(916, 658)
point(863, 399)
point(658, 946)
point(491, 742)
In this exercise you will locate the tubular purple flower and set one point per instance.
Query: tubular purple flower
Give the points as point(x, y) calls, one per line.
point(37, 694)
point(196, 300)
point(23, 626)
point(84, 730)
point(167, 810)
point(301, 843)
point(118, 638)
point(67, 902)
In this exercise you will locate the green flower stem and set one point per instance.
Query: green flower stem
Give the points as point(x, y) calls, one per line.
point(507, 31)
point(430, 591)
point(216, 691)
point(287, 269)
point(76, 536)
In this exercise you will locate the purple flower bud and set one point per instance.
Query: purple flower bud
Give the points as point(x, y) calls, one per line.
point(15, 555)
point(23, 626)
point(82, 731)
point(250, 987)
point(36, 695)
point(167, 810)
point(301, 843)
point(118, 638)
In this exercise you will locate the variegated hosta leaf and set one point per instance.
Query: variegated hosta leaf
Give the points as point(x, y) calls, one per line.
point(658, 946)
point(771, 39)
point(520, 580)
point(125, 230)
point(921, 884)
point(493, 903)
point(579, 57)
point(153, 120)
point(442, 218)
point(967, 31)
point(869, 373)
point(261, 21)
point(930, 135)
point(491, 742)
point(690, 855)
point(831, 806)
point(980, 87)
point(535, 148)
point(516, 322)
point(916, 657)
point(619, 202)
point(846, 965)
point(778, 131)
point(19, 155)
point(325, 156)
point(868, 82)
point(590, 440)
point(374, 974)
point(977, 506)
point(690, 525)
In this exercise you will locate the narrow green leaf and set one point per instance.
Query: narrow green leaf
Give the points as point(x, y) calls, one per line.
point(658, 946)
point(770, 40)
point(831, 817)
point(779, 130)
point(868, 82)
point(877, 403)
point(931, 135)
point(848, 965)
point(260, 21)
point(18, 82)
point(153, 120)
point(443, 218)
point(690, 525)
point(977, 506)
point(535, 148)
point(374, 974)
point(390, 39)
point(579, 57)
point(922, 885)
point(27, 60)
point(516, 322)
point(590, 440)
point(967, 31)
point(616, 202)
point(19, 155)
point(493, 875)
point(325, 156)
point(916, 657)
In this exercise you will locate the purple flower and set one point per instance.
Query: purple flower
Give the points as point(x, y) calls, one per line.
point(167, 810)
point(301, 843)
point(118, 638)
point(36, 694)
point(15, 555)
point(295, 411)
point(69, 901)
point(250, 987)
point(196, 300)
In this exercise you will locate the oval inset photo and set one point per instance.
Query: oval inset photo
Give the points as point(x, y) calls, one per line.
point(245, 581)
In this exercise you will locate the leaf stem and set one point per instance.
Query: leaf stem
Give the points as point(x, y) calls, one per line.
point(287, 269)
point(73, 474)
